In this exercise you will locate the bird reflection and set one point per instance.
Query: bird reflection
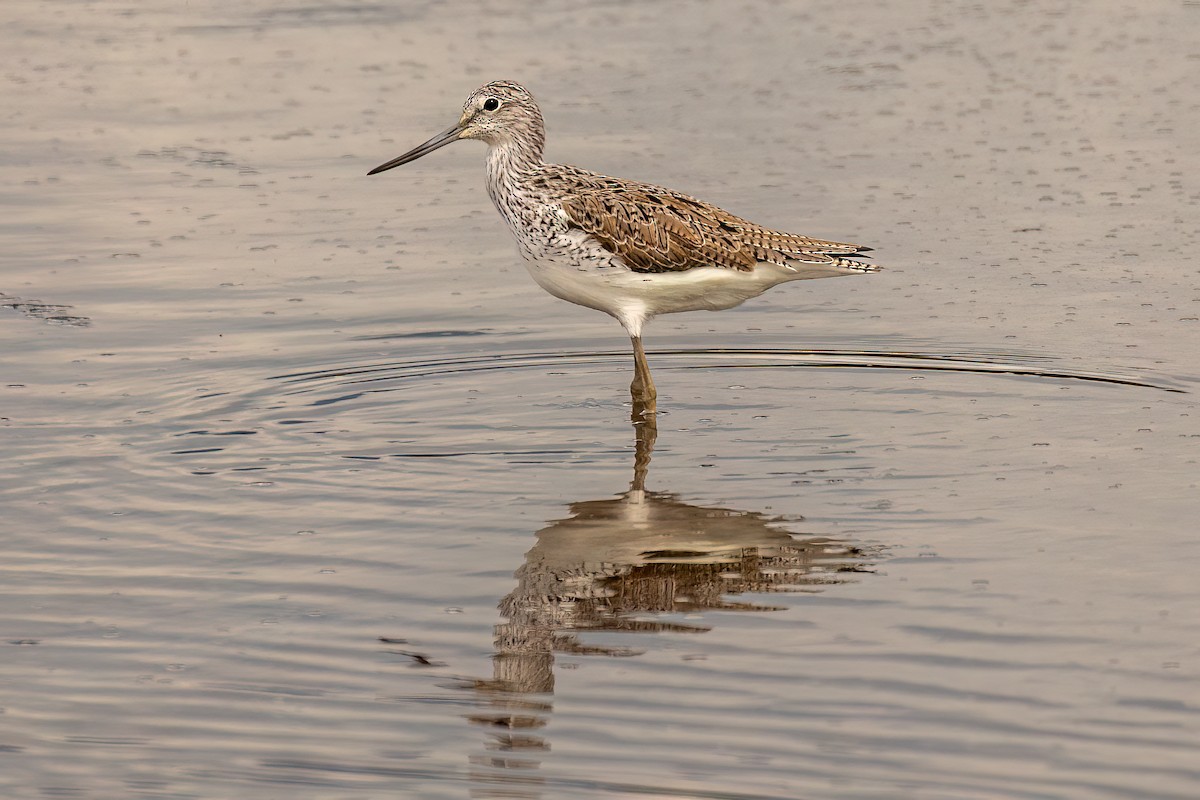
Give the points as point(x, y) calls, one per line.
point(611, 566)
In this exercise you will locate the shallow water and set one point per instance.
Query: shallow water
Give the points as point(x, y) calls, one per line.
point(309, 491)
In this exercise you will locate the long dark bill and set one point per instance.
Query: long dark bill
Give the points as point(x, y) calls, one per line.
point(441, 140)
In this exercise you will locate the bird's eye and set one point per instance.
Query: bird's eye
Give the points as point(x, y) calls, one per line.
point(491, 104)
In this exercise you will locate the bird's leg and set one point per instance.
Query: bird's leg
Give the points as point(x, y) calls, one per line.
point(642, 389)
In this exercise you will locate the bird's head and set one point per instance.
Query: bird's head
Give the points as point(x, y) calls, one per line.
point(499, 113)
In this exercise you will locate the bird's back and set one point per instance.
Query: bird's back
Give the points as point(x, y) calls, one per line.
point(653, 229)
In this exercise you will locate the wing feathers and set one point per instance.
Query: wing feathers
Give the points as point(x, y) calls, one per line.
point(657, 230)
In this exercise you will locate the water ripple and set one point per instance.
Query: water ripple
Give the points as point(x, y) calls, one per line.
point(1045, 367)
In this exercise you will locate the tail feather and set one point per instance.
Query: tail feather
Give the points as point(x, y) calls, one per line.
point(822, 265)
point(804, 254)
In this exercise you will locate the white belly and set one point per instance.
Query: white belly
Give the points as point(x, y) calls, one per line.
point(634, 297)
point(574, 267)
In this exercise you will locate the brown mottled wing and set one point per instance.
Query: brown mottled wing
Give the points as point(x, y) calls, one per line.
point(657, 230)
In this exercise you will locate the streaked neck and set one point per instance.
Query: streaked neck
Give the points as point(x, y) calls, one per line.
point(518, 154)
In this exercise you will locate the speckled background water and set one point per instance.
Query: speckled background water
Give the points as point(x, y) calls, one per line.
point(309, 492)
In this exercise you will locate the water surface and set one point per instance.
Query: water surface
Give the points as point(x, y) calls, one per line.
point(309, 491)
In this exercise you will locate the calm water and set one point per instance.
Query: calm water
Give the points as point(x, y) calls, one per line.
point(310, 492)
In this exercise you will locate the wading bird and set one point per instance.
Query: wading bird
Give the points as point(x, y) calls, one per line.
point(632, 250)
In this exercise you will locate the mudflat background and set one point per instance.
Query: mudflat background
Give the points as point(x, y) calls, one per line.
point(309, 492)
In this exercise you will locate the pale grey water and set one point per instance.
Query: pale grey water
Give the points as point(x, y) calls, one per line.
point(309, 492)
